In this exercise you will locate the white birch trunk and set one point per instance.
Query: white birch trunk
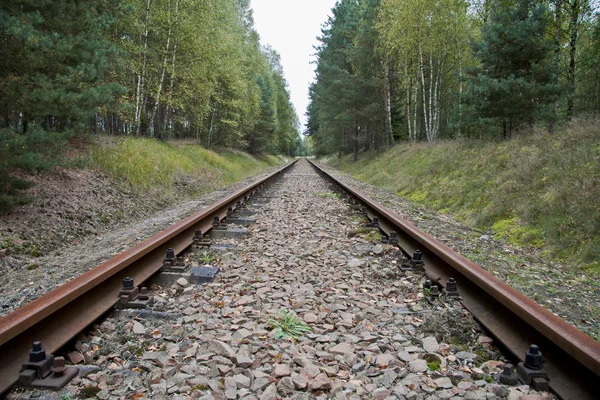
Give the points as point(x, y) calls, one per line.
point(140, 92)
point(415, 99)
point(408, 103)
point(424, 90)
point(172, 64)
point(152, 113)
point(389, 139)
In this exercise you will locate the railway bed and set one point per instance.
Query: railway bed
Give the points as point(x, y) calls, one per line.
point(314, 254)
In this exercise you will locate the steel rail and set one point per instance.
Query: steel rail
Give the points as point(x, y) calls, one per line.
point(61, 314)
point(572, 359)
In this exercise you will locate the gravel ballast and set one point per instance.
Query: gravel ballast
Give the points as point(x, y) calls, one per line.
point(372, 332)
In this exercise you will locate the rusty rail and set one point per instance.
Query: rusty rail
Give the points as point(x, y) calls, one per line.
point(572, 359)
point(61, 314)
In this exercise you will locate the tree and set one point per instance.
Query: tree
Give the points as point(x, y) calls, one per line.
point(56, 62)
point(514, 85)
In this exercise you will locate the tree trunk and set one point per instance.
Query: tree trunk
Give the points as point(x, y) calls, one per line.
point(172, 65)
point(409, 84)
point(139, 103)
point(424, 90)
point(557, 42)
point(152, 113)
point(389, 138)
point(460, 92)
point(575, 12)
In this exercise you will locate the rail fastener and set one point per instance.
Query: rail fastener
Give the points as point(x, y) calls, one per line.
point(200, 240)
point(451, 289)
point(531, 371)
point(131, 296)
point(44, 371)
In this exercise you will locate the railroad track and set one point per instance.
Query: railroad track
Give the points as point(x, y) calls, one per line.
point(572, 358)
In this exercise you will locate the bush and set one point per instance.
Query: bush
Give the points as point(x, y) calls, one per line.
point(33, 151)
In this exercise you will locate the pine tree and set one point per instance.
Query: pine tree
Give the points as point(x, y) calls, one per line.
point(55, 59)
point(514, 85)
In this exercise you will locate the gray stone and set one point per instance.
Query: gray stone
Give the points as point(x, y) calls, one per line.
point(220, 348)
point(475, 395)
point(311, 318)
point(342, 348)
point(499, 390)
point(286, 386)
point(138, 328)
point(241, 334)
point(444, 383)
point(259, 384)
point(182, 282)
point(404, 356)
point(377, 249)
point(418, 366)
point(320, 382)
point(242, 381)
point(230, 388)
point(270, 393)
point(384, 360)
point(282, 370)
point(430, 344)
point(302, 361)
point(462, 355)
point(354, 263)
point(300, 381)
point(242, 361)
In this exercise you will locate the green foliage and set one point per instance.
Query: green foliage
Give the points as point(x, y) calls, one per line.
point(206, 257)
point(532, 190)
point(32, 152)
point(513, 85)
point(287, 324)
point(55, 57)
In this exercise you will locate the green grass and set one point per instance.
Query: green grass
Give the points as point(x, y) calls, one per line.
point(145, 164)
point(541, 190)
point(287, 324)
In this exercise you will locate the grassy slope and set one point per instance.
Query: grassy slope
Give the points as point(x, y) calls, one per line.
point(537, 190)
point(146, 164)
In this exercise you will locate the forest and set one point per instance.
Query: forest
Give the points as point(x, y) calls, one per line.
point(421, 70)
point(157, 68)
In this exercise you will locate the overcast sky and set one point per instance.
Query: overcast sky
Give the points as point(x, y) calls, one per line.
point(291, 27)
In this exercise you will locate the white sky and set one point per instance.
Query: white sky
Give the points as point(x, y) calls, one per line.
point(291, 27)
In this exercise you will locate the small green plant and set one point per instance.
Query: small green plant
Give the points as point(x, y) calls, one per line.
point(287, 324)
point(206, 258)
point(328, 195)
point(427, 292)
point(65, 396)
point(433, 362)
point(434, 365)
point(32, 267)
point(489, 378)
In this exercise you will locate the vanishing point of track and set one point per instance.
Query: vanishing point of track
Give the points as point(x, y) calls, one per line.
point(572, 358)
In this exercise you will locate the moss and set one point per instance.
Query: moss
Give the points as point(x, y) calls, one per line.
point(31, 267)
point(88, 391)
point(434, 366)
point(433, 362)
